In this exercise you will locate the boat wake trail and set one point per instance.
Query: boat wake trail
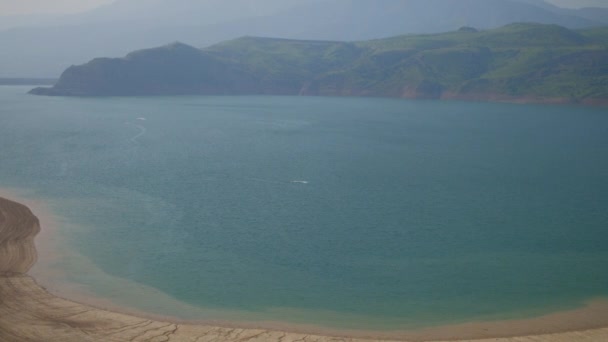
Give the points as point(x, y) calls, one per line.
point(142, 131)
point(262, 180)
point(275, 182)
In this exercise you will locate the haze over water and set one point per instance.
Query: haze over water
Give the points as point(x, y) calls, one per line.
point(378, 213)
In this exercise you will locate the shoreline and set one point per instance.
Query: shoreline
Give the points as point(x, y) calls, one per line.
point(28, 311)
point(446, 96)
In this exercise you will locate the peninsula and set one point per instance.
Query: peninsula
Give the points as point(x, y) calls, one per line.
point(515, 63)
point(523, 62)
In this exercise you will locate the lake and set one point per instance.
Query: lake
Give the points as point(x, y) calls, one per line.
point(354, 213)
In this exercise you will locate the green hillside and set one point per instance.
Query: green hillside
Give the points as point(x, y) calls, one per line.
point(518, 62)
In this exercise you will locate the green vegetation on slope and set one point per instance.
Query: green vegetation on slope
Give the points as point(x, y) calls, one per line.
point(532, 62)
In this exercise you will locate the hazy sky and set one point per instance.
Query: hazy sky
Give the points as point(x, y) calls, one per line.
point(10, 7)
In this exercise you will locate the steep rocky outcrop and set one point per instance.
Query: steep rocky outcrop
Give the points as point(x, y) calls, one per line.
point(18, 227)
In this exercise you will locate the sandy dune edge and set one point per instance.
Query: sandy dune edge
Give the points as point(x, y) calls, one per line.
point(29, 313)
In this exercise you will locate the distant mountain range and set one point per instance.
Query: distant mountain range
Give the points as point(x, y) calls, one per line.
point(52, 44)
point(518, 63)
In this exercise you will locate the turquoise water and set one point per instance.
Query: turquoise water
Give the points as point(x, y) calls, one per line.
point(378, 213)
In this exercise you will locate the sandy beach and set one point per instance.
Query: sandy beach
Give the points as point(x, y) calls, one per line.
point(29, 313)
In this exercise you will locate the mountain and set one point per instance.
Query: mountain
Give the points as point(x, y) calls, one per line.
point(162, 13)
point(518, 62)
point(579, 3)
point(114, 30)
point(595, 14)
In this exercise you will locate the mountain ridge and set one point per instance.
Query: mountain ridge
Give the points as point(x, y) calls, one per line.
point(519, 63)
point(113, 32)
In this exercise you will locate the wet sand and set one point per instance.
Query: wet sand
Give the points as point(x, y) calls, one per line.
point(29, 313)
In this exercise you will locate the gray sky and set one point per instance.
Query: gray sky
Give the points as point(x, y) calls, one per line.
point(11, 7)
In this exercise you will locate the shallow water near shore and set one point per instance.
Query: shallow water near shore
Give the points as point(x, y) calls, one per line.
point(373, 214)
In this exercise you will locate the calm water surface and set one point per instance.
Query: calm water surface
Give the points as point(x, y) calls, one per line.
point(366, 213)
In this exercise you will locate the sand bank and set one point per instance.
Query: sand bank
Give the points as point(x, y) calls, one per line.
point(30, 313)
